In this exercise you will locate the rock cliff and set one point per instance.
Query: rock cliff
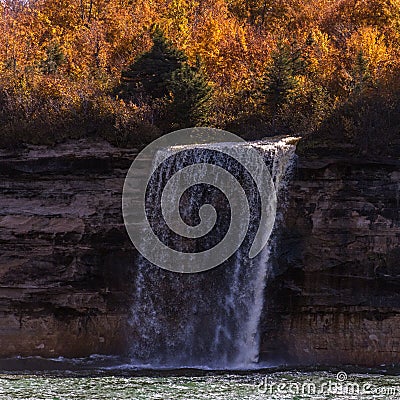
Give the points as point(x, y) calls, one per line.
point(66, 260)
point(335, 295)
point(64, 253)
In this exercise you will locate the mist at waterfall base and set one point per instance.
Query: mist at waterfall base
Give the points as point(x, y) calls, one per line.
point(208, 320)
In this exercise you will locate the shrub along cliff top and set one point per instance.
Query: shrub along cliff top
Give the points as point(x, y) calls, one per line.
point(131, 70)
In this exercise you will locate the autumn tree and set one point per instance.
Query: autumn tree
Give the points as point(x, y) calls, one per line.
point(62, 63)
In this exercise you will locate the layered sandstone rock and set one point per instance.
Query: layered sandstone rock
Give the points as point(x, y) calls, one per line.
point(335, 297)
point(65, 258)
point(67, 264)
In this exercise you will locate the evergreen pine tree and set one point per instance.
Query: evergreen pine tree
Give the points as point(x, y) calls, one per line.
point(280, 79)
point(151, 73)
point(163, 73)
point(190, 94)
point(361, 73)
point(54, 59)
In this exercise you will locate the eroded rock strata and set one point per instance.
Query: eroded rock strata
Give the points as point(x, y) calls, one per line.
point(64, 252)
point(66, 260)
point(335, 297)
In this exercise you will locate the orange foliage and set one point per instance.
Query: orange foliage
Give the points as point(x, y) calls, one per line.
point(73, 49)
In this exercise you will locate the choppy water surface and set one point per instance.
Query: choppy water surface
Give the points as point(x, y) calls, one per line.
point(280, 385)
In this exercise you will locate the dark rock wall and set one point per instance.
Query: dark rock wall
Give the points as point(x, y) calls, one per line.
point(66, 260)
point(335, 297)
point(64, 253)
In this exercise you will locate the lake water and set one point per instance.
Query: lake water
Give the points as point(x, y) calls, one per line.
point(201, 385)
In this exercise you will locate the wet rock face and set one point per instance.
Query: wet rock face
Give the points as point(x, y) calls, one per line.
point(65, 257)
point(335, 297)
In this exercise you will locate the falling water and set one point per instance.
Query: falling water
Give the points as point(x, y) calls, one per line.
point(209, 319)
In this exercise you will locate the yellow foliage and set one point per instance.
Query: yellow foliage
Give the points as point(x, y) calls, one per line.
point(369, 42)
point(234, 39)
point(322, 56)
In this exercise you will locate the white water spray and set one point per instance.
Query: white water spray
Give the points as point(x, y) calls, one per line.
point(210, 319)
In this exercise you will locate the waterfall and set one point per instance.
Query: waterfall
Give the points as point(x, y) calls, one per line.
point(208, 319)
